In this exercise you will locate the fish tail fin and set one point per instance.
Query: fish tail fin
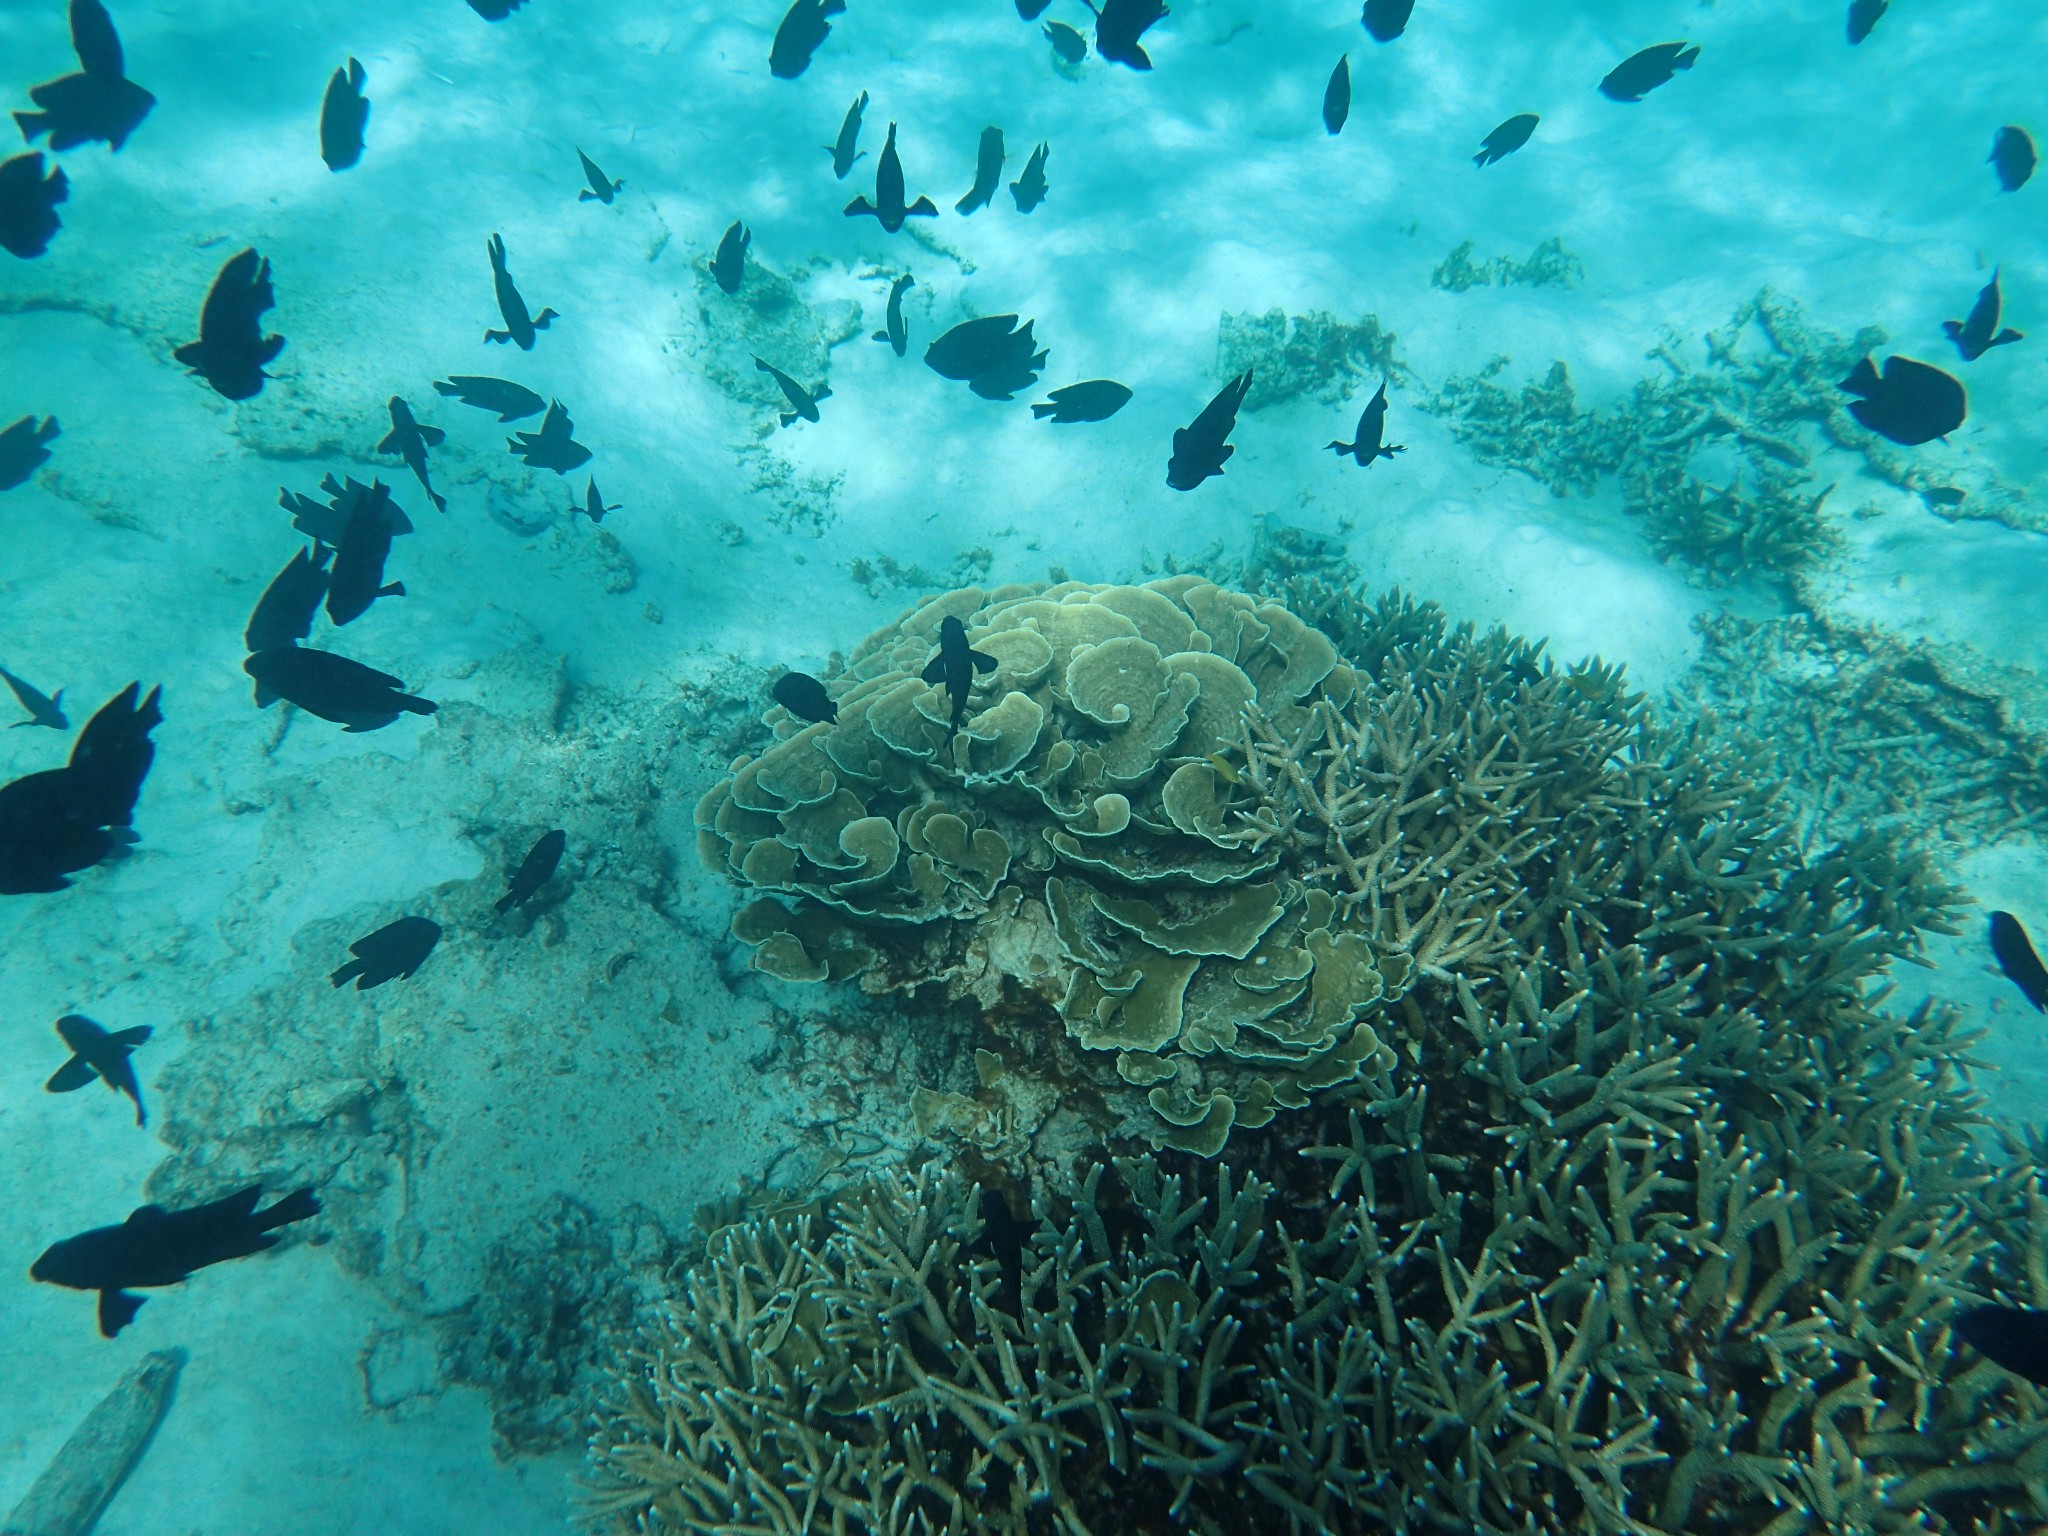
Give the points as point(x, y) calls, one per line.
point(1043, 408)
point(1862, 380)
point(859, 206)
point(440, 502)
point(1687, 59)
point(299, 1205)
point(416, 706)
point(117, 1311)
point(341, 978)
point(924, 207)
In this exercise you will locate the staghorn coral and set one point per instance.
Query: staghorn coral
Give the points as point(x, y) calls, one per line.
point(1550, 265)
point(1317, 355)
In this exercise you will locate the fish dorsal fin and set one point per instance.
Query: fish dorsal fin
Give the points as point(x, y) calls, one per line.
point(146, 1215)
point(935, 669)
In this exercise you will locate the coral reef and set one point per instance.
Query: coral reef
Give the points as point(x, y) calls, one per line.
point(1550, 265)
point(768, 317)
point(1314, 355)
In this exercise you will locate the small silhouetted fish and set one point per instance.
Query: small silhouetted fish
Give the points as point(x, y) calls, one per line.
point(988, 172)
point(21, 449)
point(28, 204)
point(1643, 72)
point(232, 349)
point(1980, 333)
point(847, 149)
point(1200, 448)
point(1029, 189)
point(97, 104)
point(1090, 400)
point(495, 10)
point(284, 614)
point(804, 27)
point(729, 266)
point(357, 579)
point(1337, 97)
point(593, 503)
point(531, 875)
point(554, 445)
point(43, 709)
point(894, 330)
point(519, 325)
point(802, 402)
point(410, 441)
point(393, 952)
point(344, 113)
point(323, 520)
point(1387, 19)
point(888, 207)
point(1031, 10)
point(2014, 1338)
point(2015, 954)
point(353, 696)
point(1119, 24)
point(1863, 15)
point(1070, 46)
point(995, 355)
point(954, 664)
point(1910, 403)
point(1506, 139)
point(155, 1247)
point(1372, 424)
point(97, 1054)
point(805, 697)
point(601, 188)
point(2012, 156)
point(63, 820)
point(512, 402)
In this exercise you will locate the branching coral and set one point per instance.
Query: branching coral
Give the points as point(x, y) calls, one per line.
point(1317, 355)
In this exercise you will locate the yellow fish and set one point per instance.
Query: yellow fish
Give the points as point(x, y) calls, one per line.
point(1222, 765)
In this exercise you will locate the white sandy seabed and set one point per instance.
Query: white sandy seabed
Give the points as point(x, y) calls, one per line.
point(604, 1049)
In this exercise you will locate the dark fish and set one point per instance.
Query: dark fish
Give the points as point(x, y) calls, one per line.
point(988, 171)
point(729, 266)
point(1372, 425)
point(1506, 139)
point(232, 349)
point(1070, 46)
point(353, 696)
point(804, 28)
point(512, 402)
point(1980, 333)
point(1863, 15)
point(111, 758)
point(1090, 400)
point(63, 820)
point(1029, 189)
point(2013, 1338)
point(1337, 97)
point(357, 579)
point(530, 876)
point(955, 664)
point(97, 1054)
point(1910, 403)
point(802, 403)
point(554, 445)
point(888, 206)
point(1643, 72)
point(21, 449)
point(394, 951)
point(1118, 26)
point(155, 1247)
point(97, 104)
point(894, 330)
point(993, 354)
point(28, 204)
point(1002, 1239)
point(43, 709)
point(519, 325)
point(593, 503)
point(602, 188)
point(2016, 957)
point(1031, 10)
point(495, 10)
point(1199, 448)
point(805, 697)
point(848, 149)
point(327, 520)
point(344, 113)
point(1387, 19)
point(284, 614)
point(410, 441)
point(2012, 156)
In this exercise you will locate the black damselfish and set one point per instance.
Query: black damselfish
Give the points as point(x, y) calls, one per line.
point(803, 403)
point(353, 696)
point(97, 1054)
point(895, 330)
point(533, 872)
point(63, 820)
point(284, 614)
point(846, 149)
point(1201, 449)
point(1911, 402)
point(1119, 24)
point(2014, 952)
point(344, 114)
point(1337, 97)
point(1980, 333)
point(2012, 156)
point(993, 354)
point(1372, 425)
point(803, 31)
point(1090, 400)
point(554, 446)
point(729, 264)
point(594, 506)
point(599, 187)
point(888, 208)
point(1387, 19)
point(99, 103)
point(410, 441)
point(393, 952)
point(43, 709)
point(512, 402)
point(954, 665)
point(1029, 189)
point(28, 204)
point(805, 697)
point(1069, 46)
point(1643, 71)
point(1506, 139)
point(232, 350)
point(21, 449)
point(357, 579)
point(519, 325)
point(988, 172)
point(1863, 15)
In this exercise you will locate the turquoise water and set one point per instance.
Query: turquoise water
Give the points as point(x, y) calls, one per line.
point(513, 1145)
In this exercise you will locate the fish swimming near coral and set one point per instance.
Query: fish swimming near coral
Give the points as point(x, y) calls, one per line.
point(512, 402)
point(993, 354)
point(1980, 333)
point(95, 1053)
point(284, 614)
point(534, 870)
point(593, 506)
point(344, 114)
point(22, 450)
point(1387, 19)
point(729, 264)
point(954, 664)
point(894, 329)
point(1910, 402)
point(519, 325)
point(353, 696)
point(1863, 15)
point(99, 104)
point(155, 1247)
point(1506, 139)
point(2014, 952)
point(805, 697)
point(1119, 24)
point(232, 350)
point(846, 149)
point(1337, 97)
point(28, 204)
point(410, 441)
point(1090, 400)
point(1201, 449)
point(43, 709)
point(1642, 72)
point(2012, 156)
point(357, 579)
point(988, 172)
point(888, 208)
point(803, 403)
point(1372, 424)
point(599, 188)
point(62, 820)
point(2013, 1338)
point(1068, 46)
point(554, 446)
point(1029, 188)
point(803, 31)
point(391, 953)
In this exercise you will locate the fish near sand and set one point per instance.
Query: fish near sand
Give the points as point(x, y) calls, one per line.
point(534, 870)
point(1980, 333)
point(553, 446)
point(353, 696)
point(1200, 448)
point(344, 113)
point(805, 697)
point(1090, 400)
point(155, 1247)
point(895, 330)
point(62, 820)
point(1372, 425)
point(803, 31)
point(1910, 402)
point(1863, 15)
point(1119, 24)
point(593, 506)
point(600, 188)
point(988, 172)
point(284, 614)
point(232, 350)
point(410, 441)
point(393, 952)
point(1506, 139)
point(954, 665)
point(97, 1054)
point(1387, 19)
point(729, 266)
point(993, 354)
point(1029, 189)
point(1643, 71)
point(519, 325)
point(21, 449)
point(495, 10)
point(847, 149)
point(99, 103)
point(43, 709)
point(2014, 952)
point(357, 579)
point(888, 207)
point(1068, 46)
point(1337, 97)
point(2012, 156)
point(28, 204)
point(803, 403)
point(512, 402)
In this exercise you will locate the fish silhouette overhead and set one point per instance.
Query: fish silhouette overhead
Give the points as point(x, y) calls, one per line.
point(97, 1054)
point(847, 149)
point(357, 579)
point(344, 114)
point(28, 204)
point(511, 402)
point(1090, 400)
point(1337, 97)
point(284, 614)
point(1387, 19)
point(43, 709)
point(600, 187)
point(593, 506)
point(410, 441)
point(988, 172)
point(729, 266)
point(1201, 449)
point(993, 354)
point(232, 350)
point(1366, 445)
point(1863, 15)
point(954, 666)
point(888, 207)
point(2013, 1338)
point(803, 403)
point(2012, 157)
point(1909, 402)
point(393, 952)
point(22, 450)
point(1068, 46)
point(1029, 189)
point(804, 29)
point(1119, 24)
point(353, 696)
point(63, 820)
point(534, 870)
point(2015, 954)
point(1643, 71)
point(805, 697)
point(1506, 139)
point(519, 325)
point(1980, 333)
point(99, 104)
point(1031, 10)
point(554, 445)
point(895, 330)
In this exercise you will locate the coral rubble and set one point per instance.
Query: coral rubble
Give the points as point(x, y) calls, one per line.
point(1317, 355)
